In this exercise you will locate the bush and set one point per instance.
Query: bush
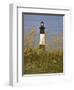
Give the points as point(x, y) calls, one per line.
point(39, 61)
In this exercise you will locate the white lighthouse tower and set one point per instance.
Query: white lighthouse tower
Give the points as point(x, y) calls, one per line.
point(42, 36)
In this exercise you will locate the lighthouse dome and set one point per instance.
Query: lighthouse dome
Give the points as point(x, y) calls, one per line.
point(42, 23)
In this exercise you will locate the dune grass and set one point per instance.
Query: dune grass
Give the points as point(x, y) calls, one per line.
point(37, 61)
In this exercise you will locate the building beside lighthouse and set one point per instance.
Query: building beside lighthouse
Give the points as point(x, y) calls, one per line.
point(42, 36)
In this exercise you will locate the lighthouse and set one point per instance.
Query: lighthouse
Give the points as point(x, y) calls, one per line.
point(42, 36)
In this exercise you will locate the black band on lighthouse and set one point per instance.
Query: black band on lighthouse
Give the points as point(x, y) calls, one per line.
point(42, 28)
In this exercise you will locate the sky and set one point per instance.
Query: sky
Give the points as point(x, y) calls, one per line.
point(53, 25)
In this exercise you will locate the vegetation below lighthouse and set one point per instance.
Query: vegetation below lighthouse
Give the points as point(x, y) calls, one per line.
point(37, 61)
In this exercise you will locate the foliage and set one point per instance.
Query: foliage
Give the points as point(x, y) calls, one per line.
point(39, 61)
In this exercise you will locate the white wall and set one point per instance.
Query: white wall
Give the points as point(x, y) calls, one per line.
point(4, 44)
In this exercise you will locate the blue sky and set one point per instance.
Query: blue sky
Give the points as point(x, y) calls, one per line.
point(53, 24)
